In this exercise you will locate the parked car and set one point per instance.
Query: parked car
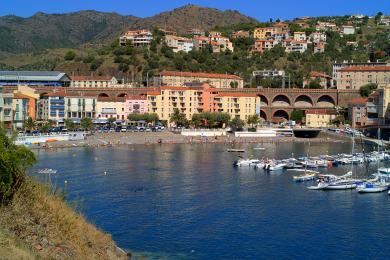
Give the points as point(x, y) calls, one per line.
point(124, 129)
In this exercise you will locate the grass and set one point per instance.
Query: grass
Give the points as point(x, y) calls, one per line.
point(38, 222)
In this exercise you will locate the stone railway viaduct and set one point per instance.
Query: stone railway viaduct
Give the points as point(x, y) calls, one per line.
point(275, 102)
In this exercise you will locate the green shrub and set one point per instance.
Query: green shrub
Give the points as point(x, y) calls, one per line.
point(14, 160)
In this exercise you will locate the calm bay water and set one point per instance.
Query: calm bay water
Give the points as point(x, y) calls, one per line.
point(188, 202)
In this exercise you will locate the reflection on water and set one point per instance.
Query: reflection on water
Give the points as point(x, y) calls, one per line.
point(187, 201)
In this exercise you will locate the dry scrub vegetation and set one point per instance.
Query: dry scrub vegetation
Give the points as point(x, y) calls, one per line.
point(50, 229)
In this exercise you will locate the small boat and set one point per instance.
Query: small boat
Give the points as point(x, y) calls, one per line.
point(373, 187)
point(321, 163)
point(310, 164)
point(323, 181)
point(307, 176)
point(294, 166)
point(47, 171)
point(232, 150)
point(341, 185)
point(319, 186)
point(258, 148)
point(246, 162)
point(274, 166)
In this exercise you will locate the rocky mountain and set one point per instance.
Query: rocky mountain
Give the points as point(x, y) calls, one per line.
point(43, 31)
point(191, 16)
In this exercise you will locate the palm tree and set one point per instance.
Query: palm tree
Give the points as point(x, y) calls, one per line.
point(29, 124)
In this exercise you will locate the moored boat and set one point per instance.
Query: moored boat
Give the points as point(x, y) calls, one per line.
point(246, 162)
point(47, 171)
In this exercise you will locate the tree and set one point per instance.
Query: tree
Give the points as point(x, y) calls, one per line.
point(69, 124)
point(179, 119)
point(111, 120)
point(297, 115)
point(70, 55)
point(45, 127)
point(367, 89)
point(378, 17)
point(86, 123)
point(14, 161)
point(151, 118)
point(29, 124)
point(236, 123)
point(339, 120)
point(233, 84)
point(253, 120)
point(314, 84)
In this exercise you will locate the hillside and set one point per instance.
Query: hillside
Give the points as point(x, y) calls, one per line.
point(191, 16)
point(43, 31)
point(36, 222)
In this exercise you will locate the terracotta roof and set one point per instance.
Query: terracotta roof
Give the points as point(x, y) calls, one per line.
point(55, 94)
point(153, 93)
point(21, 96)
point(111, 99)
point(173, 88)
point(365, 68)
point(319, 74)
point(199, 74)
point(358, 101)
point(139, 97)
point(321, 112)
point(201, 38)
point(231, 94)
point(91, 78)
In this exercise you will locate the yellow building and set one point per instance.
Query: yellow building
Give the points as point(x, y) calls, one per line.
point(198, 99)
point(266, 32)
point(107, 107)
point(319, 117)
point(239, 105)
point(384, 102)
point(357, 76)
point(188, 100)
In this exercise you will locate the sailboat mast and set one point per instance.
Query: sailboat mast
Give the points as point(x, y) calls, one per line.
point(353, 148)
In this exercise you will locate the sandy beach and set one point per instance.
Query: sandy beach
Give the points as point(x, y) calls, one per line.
point(166, 137)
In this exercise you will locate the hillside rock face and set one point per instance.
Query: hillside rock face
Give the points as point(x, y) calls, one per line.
point(42, 31)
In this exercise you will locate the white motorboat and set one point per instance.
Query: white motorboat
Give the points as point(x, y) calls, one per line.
point(320, 186)
point(323, 181)
point(321, 163)
point(258, 148)
point(309, 164)
point(246, 162)
point(47, 171)
point(274, 166)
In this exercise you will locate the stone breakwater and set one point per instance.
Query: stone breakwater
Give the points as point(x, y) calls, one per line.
point(163, 138)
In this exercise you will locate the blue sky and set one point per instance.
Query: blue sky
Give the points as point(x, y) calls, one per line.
point(259, 9)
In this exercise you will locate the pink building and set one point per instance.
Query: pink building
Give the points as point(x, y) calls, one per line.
point(136, 105)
